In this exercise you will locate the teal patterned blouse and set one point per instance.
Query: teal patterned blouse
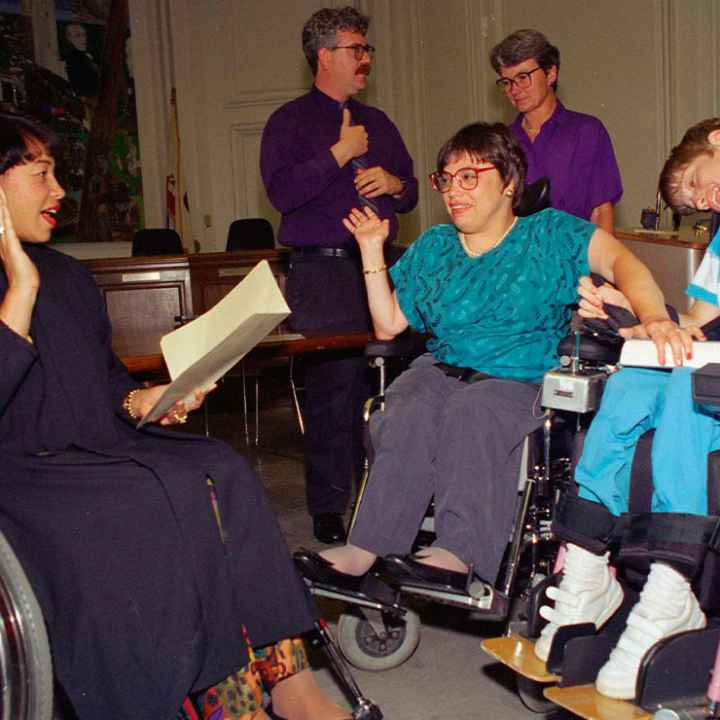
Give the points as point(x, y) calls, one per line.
point(502, 313)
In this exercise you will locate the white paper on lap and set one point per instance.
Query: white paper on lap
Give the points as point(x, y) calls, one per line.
point(643, 353)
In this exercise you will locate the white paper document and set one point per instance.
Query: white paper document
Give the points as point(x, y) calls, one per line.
point(643, 353)
point(201, 352)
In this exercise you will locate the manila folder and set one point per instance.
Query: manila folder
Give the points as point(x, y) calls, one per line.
point(201, 352)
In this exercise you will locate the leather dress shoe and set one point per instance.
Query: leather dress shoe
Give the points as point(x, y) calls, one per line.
point(328, 528)
point(406, 570)
point(317, 569)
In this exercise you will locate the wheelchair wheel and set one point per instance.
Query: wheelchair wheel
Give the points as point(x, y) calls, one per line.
point(531, 695)
point(380, 645)
point(26, 677)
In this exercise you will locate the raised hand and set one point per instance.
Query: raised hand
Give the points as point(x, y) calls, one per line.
point(19, 268)
point(23, 279)
point(369, 230)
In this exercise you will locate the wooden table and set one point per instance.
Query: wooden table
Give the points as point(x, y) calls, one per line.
point(144, 356)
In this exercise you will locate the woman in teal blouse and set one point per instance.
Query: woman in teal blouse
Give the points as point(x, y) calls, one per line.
point(495, 292)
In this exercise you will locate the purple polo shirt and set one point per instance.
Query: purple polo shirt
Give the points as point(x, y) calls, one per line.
point(303, 180)
point(575, 151)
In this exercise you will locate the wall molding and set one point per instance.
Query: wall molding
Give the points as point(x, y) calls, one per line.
point(242, 175)
point(263, 98)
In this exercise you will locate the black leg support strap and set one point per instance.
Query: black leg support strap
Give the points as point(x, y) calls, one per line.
point(583, 522)
point(677, 539)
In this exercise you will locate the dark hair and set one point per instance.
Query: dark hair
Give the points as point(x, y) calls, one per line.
point(321, 29)
point(493, 143)
point(20, 140)
point(525, 45)
point(694, 143)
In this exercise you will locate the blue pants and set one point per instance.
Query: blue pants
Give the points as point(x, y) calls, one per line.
point(637, 400)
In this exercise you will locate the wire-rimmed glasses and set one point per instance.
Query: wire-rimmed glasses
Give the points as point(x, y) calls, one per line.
point(357, 48)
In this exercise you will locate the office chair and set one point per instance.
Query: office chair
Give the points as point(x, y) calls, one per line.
point(250, 234)
point(157, 241)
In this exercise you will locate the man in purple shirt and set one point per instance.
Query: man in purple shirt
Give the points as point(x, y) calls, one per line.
point(572, 149)
point(322, 155)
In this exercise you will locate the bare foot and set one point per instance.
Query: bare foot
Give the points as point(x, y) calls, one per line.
point(350, 559)
point(441, 558)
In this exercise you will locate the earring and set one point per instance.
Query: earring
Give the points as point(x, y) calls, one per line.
point(509, 192)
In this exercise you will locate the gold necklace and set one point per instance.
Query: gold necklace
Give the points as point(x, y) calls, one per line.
point(475, 254)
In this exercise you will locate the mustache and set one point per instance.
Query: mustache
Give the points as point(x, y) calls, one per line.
point(363, 69)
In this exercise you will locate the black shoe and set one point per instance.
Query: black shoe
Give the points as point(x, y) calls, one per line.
point(406, 570)
point(317, 569)
point(328, 528)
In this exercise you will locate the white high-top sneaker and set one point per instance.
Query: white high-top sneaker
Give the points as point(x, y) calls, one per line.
point(667, 606)
point(588, 592)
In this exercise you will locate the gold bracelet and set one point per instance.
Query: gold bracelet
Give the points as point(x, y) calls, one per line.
point(375, 270)
point(128, 401)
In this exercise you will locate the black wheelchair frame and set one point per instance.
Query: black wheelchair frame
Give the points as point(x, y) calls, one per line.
point(379, 632)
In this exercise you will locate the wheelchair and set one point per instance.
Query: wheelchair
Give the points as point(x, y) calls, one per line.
point(679, 676)
point(379, 631)
point(26, 677)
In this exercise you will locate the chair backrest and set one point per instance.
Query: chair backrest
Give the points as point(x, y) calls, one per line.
point(250, 234)
point(157, 241)
point(536, 197)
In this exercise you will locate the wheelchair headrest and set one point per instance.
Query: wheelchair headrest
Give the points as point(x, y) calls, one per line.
point(536, 197)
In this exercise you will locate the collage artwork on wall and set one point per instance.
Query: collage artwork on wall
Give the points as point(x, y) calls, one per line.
point(88, 99)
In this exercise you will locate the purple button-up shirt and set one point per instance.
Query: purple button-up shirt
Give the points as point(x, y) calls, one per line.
point(302, 177)
point(575, 151)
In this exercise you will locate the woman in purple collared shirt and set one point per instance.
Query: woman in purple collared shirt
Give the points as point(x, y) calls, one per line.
point(571, 148)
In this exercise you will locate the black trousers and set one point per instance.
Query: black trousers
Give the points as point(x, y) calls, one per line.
point(327, 295)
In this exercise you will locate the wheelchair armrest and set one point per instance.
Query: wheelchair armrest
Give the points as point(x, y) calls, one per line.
point(706, 385)
point(407, 344)
point(602, 349)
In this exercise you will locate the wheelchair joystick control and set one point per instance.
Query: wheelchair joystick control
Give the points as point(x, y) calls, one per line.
point(573, 387)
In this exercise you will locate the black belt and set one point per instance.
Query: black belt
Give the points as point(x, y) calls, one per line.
point(325, 252)
point(467, 375)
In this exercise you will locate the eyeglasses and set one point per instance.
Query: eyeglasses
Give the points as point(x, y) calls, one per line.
point(523, 80)
point(468, 178)
point(357, 48)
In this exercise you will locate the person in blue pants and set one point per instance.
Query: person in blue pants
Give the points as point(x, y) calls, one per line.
point(675, 536)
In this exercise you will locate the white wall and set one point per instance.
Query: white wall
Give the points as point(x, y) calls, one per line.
point(647, 68)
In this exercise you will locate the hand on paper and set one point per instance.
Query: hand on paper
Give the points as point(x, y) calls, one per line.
point(177, 415)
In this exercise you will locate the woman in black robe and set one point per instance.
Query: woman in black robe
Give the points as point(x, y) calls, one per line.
point(144, 601)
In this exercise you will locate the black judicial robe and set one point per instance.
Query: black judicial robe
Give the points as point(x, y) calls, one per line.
point(114, 526)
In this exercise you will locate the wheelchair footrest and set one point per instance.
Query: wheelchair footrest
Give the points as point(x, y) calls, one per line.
point(518, 654)
point(374, 594)
point(586, 702)
point(676, 670)
point(482, 599)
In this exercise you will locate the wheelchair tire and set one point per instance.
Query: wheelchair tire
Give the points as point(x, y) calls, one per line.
point(531, 695)
point(367, 649)
point(26, 676)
